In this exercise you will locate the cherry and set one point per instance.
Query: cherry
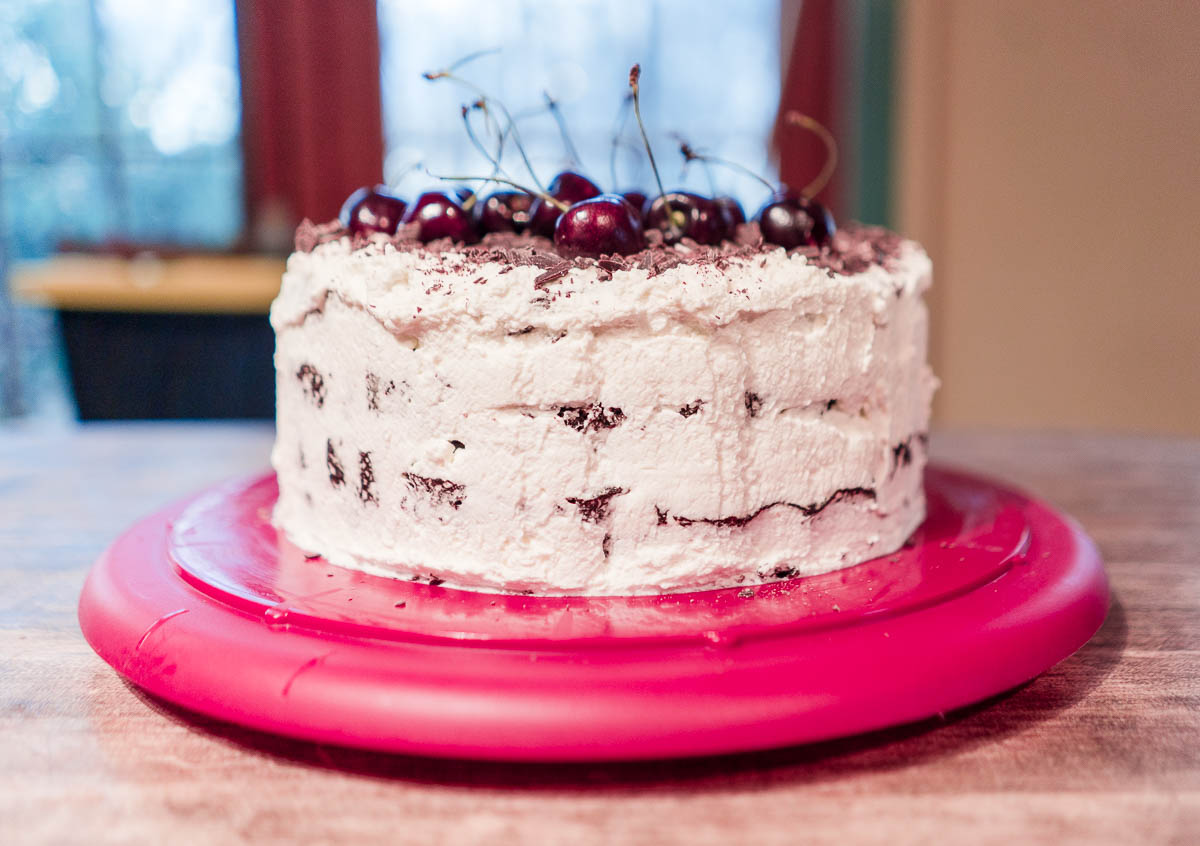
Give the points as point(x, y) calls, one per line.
point(440, 216)
point(635, 198)
point(792, 219)
point(729, 209)
point(568, 187)
point(370, 210)
point(503, 211)
point(731, 214)
point(690, 216)
point(598, 226)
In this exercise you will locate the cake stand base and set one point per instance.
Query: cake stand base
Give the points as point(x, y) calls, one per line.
point(203, 605)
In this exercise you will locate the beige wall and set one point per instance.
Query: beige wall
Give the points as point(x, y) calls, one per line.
point(1048, 157)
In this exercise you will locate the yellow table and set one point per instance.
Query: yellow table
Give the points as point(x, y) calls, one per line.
point(192, 284)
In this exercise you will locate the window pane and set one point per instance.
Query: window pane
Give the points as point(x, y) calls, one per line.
point(120, 121)
point(52, 202)
point(47, 72)
point(712, 77)
point(170, 73)
point(174, 201)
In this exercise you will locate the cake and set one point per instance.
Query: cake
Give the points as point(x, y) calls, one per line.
point(512, 416)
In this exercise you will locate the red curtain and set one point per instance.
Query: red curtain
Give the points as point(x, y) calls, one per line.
point(810, 85)
point(311, 120)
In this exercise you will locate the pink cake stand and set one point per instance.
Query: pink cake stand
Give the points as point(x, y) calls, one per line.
point(204, 605)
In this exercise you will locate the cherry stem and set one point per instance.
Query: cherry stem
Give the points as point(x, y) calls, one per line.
point(469, 203)
point(552, 105)
point(803, 121)
point(618, 131)
point(485, 100)
point(395, 180)
point(554, 201)
point(635, 75)
point(690, 155)
point(475, 142)
point(470, 57)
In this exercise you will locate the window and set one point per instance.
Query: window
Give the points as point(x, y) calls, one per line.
point(128, 107)
point(119, 122)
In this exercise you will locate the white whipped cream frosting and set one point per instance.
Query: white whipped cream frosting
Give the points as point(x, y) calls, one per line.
point(714, 424)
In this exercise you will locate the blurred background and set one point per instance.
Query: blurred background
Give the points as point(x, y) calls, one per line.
point(155, 156)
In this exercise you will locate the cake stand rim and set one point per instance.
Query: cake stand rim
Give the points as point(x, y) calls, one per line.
point(154, 629)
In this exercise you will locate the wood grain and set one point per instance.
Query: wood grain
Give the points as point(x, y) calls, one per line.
point(1104, 747)
point(195, 284)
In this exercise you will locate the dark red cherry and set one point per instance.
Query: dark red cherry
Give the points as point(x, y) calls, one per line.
point(731, 214)
point(568, 187)
point(792, 220)
point(503, 211)
point(370, 210)
point(635, 198)
point(599, 226)
point(439, 216)
point(695, 217)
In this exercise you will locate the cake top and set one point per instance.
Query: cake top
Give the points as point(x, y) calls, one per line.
point(580, 220)
point(850, 250)
point(567, 255)
point(514, 284)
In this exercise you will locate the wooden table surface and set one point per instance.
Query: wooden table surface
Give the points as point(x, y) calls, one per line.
point(192, 284)
point(1105, 747)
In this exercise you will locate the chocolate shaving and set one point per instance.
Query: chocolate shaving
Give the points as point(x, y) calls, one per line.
point(546, 262)
point(662, 262)
point(853, 249)
point(310, 235)
point(612, 264)
point(337, 475)
point(738, 521)
point(312, 383)
point(590, 418)
point(556, 272)
point(366, 479)
point(439, 491)
point(902, 453)
point(594, 509)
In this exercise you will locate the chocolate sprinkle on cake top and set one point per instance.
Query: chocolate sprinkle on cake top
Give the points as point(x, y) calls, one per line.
point(854, 249)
